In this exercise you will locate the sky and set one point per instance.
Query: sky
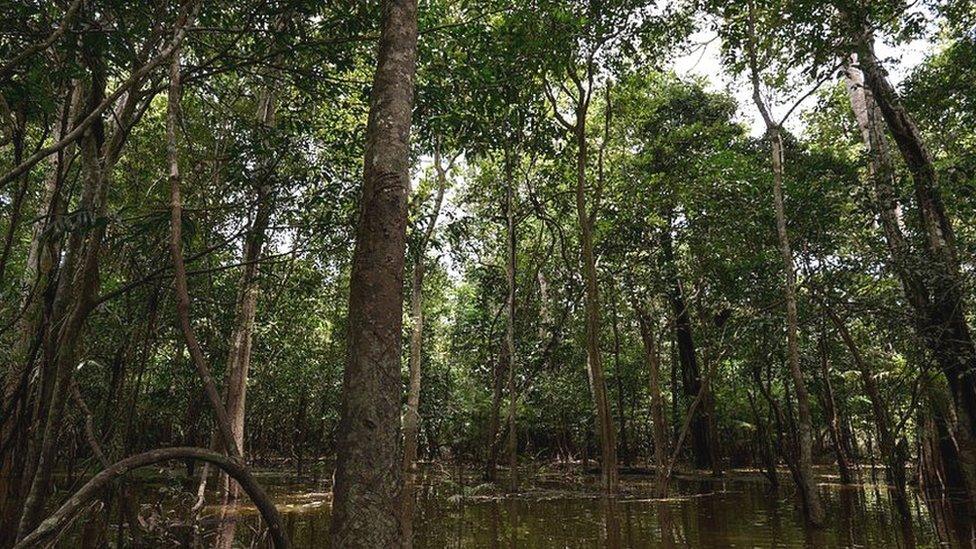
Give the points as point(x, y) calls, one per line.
point(705, 61)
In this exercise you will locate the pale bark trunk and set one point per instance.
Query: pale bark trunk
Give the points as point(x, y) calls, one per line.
point(808, 484)
point(239, 354)
point(938, 306)
point(368, 476)
point(179, 267)
point(411, 416)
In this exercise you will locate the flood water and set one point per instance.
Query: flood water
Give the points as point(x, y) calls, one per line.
point(562, 510)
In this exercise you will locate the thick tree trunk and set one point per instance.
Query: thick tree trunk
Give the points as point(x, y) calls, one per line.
point(934, 293)
point(368, 476)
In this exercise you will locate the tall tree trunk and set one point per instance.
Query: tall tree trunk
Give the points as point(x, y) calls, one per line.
point(368, 476)
point(239, 354)
point(510, 257)
point(808, 484)
point(690, 372)
point(830, 408)
point(934, 294)
point(77, 284)
point(594, 360)
point(42, 262)
point(411, 417)
point(654, 377)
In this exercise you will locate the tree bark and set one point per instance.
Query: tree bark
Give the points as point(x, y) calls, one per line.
point(934, 293)
point(369, 466)
point(594, 360)
point(808, 484)
point(687, 356)
point(510, 265)
point(658, 422)
point(411, 417)
point(830, 408)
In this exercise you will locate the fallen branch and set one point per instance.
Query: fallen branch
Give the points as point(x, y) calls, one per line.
point(54, 524)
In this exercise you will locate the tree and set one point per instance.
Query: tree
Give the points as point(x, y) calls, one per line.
point(368, 476)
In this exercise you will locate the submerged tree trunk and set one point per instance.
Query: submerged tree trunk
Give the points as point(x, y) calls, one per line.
point(594, 359)
point(411, 417)
point(239, 355)
point(931, 286)
point(808, 484)
point(368, 475)
point(510, 257)
point(830, 408)
point(687, 357)
point(658, 422)
point(895, 458)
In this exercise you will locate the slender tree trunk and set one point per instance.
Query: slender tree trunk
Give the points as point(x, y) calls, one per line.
point(658, 422)
point(77, 284)
point(811, 496)
point(411, 417)
point(618, 377)
point(687, 356)
point(510, 265)
point(830, 408)
point(369, 464)
point(594, 360)
point(239, 355)
point(494, 416)
point(895, 458)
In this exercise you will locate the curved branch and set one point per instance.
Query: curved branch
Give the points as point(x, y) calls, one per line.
point(51, 526)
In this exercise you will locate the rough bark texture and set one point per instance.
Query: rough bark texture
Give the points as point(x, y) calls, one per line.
point(365, 511)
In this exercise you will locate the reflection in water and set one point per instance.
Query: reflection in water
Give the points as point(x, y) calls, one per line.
point(560, 512)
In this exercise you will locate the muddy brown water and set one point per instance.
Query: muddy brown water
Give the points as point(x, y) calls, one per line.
point(561, 510)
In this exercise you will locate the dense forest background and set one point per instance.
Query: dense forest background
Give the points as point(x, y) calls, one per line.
point(608, 261)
